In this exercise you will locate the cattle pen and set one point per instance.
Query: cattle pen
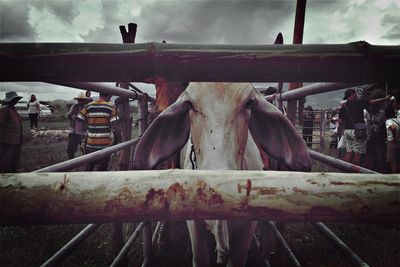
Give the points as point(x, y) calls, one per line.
point(363, 196)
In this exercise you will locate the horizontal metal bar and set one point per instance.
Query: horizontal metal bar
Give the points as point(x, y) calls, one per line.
point(83, 62)
point(101, 197)
point(307, 90)
point(66, 250)
point(79, 161)
point(124, 251)
point(339, 164)
point(346, 251)
point(282, 242)
point(102, 88)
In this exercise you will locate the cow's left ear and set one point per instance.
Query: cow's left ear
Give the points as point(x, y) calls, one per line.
point(167, 134)
point(276, 135)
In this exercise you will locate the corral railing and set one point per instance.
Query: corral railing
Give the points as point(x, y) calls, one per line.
point(357, 62)
point(187, 194)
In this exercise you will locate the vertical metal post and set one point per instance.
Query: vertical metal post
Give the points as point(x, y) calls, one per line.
point(124, 113)
point(142, 121)
point(278, 41)
point(324, 122)
point(297, 39)
point(143, 111)
point(117, 239)
point(321, 130)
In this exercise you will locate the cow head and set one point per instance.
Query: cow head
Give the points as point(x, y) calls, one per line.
point(219, 117)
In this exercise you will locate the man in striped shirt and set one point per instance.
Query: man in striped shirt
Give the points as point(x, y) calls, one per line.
point(100, 116)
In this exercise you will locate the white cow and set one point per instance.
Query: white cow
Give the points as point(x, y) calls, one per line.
point(229, 123)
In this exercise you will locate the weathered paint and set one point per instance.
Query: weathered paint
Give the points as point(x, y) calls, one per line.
point(354, 62)
point(79, 197)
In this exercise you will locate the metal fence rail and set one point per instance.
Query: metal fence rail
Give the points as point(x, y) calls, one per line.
point(354, 62)
point(66, 250)
point(42, 198)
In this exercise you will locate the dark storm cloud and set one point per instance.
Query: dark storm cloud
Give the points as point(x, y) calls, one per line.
point(63, 9)
point(14, 17)
point(14, 24)
point(108, 31)
point(394, 23)
point(215, 21)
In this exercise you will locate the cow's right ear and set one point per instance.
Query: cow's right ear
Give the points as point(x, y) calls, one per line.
point(167, 134)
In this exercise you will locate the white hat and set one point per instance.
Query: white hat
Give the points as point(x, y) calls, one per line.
point(82, 96)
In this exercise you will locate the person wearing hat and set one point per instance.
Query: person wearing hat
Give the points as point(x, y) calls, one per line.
point(10, 133)
point(77, 129)
point(351, 113)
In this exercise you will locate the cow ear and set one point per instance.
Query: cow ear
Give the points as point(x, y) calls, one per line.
point(276, 135)
point(167, 134)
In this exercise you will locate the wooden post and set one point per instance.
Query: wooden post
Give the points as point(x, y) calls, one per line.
point(124, 113)
point(278, 41)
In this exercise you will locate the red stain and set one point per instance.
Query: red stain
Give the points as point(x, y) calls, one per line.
point(152, 194)
point(239, 188)
point(301, 191)
point(208, 195)
point(267, 190)
point(248, 187)
point(342, 183)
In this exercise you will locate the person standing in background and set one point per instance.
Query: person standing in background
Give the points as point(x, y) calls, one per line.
point(88, 95)
point(10, 133)
point(353, 112)
point(100, 116)
point(33, 111)
point(77, 130)
point(393, 134)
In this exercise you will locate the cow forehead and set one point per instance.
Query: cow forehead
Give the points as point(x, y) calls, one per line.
point(222, 93)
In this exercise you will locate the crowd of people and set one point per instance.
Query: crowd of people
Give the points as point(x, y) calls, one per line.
point(92, 127)
point(365, 130)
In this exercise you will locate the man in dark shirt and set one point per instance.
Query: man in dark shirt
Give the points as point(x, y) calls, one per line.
point(353, 112)
point(10, 133)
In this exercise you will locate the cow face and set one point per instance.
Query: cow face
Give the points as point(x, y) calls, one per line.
point(219, 116)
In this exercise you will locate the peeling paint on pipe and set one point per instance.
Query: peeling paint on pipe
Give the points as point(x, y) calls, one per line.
point(102, 197)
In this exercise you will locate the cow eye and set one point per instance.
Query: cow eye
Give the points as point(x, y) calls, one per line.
point(250, 103)
point(189, 104)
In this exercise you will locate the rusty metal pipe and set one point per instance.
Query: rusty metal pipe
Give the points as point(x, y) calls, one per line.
point(346, 251)
point(282, 242)
point(83, 62)
point(66, 250)
point(312, 89)
point(79, 161)
point(124, 251)
point(102, 197)
point(339, 164)
point(102, 88)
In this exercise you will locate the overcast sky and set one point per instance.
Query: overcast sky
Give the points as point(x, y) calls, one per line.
point(212, 21)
